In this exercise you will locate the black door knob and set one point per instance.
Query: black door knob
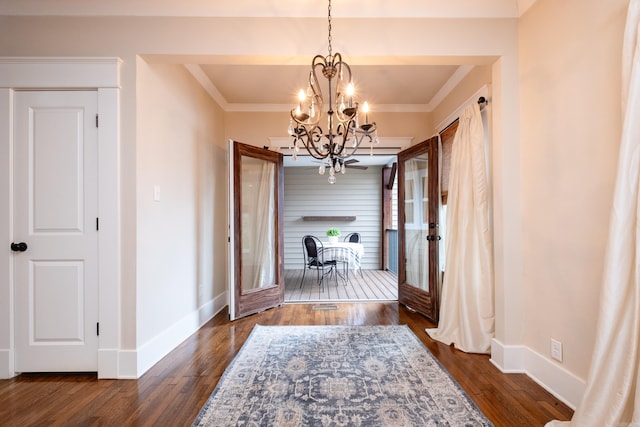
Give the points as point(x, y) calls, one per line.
point(19, 247)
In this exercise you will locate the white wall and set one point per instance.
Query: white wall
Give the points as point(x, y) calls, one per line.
point(356, 193)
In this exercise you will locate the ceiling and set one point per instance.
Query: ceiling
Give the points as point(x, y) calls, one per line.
point(272, 86)
point(255, 85)
point(272, 8)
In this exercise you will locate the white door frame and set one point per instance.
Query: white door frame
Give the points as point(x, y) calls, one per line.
point(102, 75)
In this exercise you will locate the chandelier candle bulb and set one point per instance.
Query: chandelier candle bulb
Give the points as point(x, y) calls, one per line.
point(365, 110)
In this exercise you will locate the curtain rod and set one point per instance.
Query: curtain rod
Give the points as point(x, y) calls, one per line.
point(483, 92)
point(482, 102)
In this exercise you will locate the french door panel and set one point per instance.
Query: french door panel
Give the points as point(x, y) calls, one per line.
point(256, 266)
point(418, 223)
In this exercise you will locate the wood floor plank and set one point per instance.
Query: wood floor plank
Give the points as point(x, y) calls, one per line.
point(174, 390)
point(371, 285)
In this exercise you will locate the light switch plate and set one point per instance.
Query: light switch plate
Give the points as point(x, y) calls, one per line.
point(556, 350)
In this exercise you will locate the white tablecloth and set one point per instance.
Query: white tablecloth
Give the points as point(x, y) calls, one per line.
point(348, 252)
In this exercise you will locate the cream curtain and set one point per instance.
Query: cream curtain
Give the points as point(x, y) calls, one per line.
point(612, 393)
point(466, 312)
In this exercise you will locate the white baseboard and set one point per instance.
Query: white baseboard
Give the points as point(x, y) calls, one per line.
point(131, 364)
point(108, 363)
point(134, 364)
point(127, 365)
point(548, 374)
point(6, 364)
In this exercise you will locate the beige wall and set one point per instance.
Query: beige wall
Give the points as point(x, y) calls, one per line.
point(570, 55)
point(255, 128)
point(174, 40)
point(555, 78)
point(478, 77)
point(181, 151)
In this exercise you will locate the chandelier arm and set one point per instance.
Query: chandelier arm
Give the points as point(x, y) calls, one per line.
point(314, 82)
point(339, 65)
point(342, 134)
point(351, 151)
point(310, 140)
point(359, 136)
point(366, 129)
point(319, 60)
point(295, 119)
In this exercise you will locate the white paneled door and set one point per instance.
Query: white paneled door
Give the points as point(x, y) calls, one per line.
point(55, 162)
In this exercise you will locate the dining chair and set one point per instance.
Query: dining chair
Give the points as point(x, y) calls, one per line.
point(314, 259)
point(353, 238)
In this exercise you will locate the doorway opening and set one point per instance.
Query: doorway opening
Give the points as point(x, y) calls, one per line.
point(354, 204)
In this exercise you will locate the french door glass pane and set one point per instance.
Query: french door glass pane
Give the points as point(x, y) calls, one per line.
point(258, 223)
point(416, 222)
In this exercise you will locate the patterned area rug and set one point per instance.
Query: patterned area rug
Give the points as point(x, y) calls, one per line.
point(337, 376)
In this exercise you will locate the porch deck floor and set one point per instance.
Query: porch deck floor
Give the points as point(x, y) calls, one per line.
point(373, 285)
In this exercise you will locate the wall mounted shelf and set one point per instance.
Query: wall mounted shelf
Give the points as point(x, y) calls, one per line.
point(328, 218)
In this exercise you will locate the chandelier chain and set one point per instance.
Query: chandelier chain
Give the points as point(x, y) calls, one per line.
point(329, 38)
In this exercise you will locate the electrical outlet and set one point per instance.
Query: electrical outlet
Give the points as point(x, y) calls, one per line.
point(556, 350)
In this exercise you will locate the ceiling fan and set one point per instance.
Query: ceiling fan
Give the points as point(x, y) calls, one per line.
point(349, 163)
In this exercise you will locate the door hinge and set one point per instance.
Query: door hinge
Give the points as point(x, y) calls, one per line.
point(97, 224)
point(97, 120)
point(98, 328)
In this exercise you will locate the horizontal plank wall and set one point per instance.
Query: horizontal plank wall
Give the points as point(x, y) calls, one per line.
point(356, 193)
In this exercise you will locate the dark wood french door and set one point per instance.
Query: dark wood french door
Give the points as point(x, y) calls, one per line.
point(256, 194)
point(418, 225)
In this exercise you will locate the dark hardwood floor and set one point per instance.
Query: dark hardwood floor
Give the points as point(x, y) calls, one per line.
point(172, 392)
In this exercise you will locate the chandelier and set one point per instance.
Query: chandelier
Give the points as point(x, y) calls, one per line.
point(343, 134)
